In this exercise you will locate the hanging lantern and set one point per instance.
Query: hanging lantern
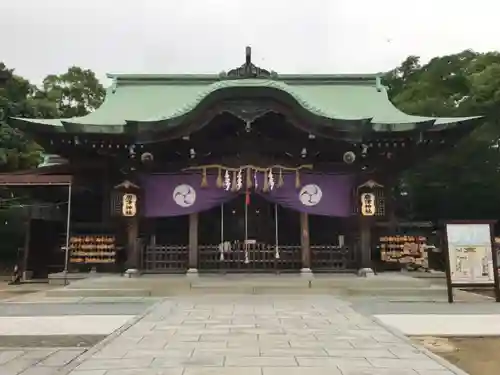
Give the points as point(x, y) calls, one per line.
point(368, 206)
point(227, 181)
point(129, 205)
point(255, 180)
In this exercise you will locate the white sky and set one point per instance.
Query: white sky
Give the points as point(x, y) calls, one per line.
point(40, 37)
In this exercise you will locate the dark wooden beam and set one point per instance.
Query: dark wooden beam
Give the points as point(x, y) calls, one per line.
point(34, 180)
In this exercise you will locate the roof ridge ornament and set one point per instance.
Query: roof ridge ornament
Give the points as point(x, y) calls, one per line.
point(248, 70)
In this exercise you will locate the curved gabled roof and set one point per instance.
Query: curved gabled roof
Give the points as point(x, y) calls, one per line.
point(163, 100)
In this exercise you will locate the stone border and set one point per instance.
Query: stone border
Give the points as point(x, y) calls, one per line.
point(454, 369)
point(75, 362)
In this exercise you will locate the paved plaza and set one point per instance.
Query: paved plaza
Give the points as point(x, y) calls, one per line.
point(229, 333)
point(248, 334)
point(41, 336)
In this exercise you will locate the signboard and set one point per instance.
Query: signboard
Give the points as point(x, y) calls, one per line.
point(404, 249)
point(470, 253)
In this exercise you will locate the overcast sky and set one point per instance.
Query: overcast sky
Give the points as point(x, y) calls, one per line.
point(40, 37)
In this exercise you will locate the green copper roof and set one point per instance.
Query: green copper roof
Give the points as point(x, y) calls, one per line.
point(164, 99)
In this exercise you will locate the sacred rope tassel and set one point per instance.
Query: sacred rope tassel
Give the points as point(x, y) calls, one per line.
point(239, 180)
point(234, 187)
point(246, 254)
point(218, 182)
point(204, 182)
point(255, 180)
point(265, 188)
point(297, 179)
point(221, 251)
point(277, 252)
point(271, 179)
point(227, 181)
point(249, 178)
point(281, 181)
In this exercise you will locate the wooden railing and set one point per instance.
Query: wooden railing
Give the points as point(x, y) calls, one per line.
point(255, 257)
point(166, 258)
point(250, 257)
point(332, 258)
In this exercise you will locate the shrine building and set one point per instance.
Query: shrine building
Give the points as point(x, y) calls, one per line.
point(245, 170)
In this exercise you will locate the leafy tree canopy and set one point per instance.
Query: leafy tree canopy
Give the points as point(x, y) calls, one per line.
point(74, 93)
point(463, 182)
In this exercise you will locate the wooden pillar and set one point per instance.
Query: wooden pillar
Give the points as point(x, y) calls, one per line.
point(106, 199)
point(125, 203)
point(26, 250)
point(132, 243)
point(390, 203)
point(305, 242)
point(365, 243)
point(193, 243)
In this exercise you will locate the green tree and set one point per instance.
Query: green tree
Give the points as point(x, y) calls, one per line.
point(18, 99)
point(464, 84)
point(76, 92)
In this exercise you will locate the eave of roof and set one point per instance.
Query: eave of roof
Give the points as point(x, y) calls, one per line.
point(162, 101)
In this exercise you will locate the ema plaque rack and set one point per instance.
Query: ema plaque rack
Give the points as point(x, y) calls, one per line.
point(92, 249)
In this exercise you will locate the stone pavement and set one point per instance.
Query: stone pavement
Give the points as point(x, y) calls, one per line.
point(39, 361)
point(41, 337)
point(256, 335)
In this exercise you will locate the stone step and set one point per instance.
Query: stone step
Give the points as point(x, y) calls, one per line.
point(406, 293)
point(101, 292)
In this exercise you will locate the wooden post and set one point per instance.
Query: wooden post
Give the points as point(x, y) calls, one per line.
point(193, 243)
point(305, 243)
point(26, 251)
point(365, 246)
point(106, 199)
point(132, 248)
point(390, 204)
point(128, 210)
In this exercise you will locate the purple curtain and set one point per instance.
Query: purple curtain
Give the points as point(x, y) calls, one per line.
point(181, 194)
point(320, 194)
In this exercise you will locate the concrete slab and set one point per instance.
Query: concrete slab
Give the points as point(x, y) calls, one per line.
point(444, 325)
point(111, 306)
point(61, 325)
point(377, 306)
